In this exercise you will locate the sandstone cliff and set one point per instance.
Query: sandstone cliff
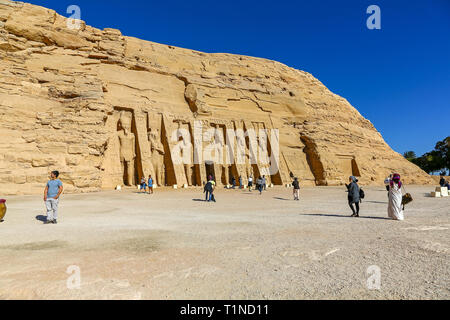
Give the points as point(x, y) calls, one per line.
point(100, 107)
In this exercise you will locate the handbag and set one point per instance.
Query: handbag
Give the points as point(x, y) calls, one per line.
point(2, 209)
point(406, 198)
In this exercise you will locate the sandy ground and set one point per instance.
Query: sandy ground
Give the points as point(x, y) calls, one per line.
point(172, 245)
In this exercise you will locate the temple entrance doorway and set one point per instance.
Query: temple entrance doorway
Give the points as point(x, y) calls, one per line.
point(209, 166)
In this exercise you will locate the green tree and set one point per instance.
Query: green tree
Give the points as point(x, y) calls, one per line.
point(410, 155)
point(433, 161)
point(442, 149)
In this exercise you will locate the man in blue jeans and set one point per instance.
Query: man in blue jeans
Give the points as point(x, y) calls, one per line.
point(209, 189)
point(52, 191)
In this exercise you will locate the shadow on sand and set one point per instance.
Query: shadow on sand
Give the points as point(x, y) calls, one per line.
point(41, 218)
point(383, 202)
point(203, 200)
point(278, 198)
point(342, 216)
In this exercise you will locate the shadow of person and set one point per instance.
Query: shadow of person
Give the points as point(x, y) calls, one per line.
point(343, 216)
point(41, 218)
point(278, 198)
point(199, 200)
point(370, 201)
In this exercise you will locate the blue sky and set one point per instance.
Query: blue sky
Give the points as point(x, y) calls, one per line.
point(397, 77)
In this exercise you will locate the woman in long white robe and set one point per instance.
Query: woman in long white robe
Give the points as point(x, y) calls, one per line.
point(395, 201)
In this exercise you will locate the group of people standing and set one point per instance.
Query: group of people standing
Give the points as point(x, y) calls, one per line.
point(260, 183)
point(146, 183)
point(210, 185)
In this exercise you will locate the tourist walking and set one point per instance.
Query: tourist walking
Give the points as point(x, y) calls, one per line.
point(52, 192)
point(250, 183)
point(209, 189)
point(259, 185)
point(353, 195)
point(240, 182)
point(233, 182)
point(395, 210)
point(143, 185)
point(264, 182)
point(296, 190)
point(150, 184)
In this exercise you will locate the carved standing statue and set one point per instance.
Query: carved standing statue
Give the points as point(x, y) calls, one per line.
point(188, 172)
point(186, 153)
point(127, 143)
point(157, 151)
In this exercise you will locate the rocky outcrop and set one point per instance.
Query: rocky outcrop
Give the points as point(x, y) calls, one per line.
point(101, 108)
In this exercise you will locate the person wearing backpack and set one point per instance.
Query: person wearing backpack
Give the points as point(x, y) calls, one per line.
point(361, 194)
point(209, 189)
point(296, 191)
point(353, 195)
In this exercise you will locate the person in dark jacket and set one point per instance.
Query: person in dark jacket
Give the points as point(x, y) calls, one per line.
point(442, 181)
point(353, 195)
point(209, 189)
point(296, 186)
point(233, 182)
point(259, 185)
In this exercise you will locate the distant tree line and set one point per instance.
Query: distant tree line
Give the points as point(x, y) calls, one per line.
point(437, 160)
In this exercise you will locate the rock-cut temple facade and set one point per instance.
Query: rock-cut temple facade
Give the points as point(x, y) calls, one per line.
point(102, 108)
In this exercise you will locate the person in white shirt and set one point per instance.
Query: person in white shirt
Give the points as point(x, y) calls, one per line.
point(250, 183)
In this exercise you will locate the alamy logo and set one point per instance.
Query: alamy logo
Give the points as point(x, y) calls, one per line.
point(374, 20)
point(374, 280)
point(74, 279)
point(74, 22)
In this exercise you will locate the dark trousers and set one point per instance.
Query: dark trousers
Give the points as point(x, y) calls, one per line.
point(208, 195)
point(353, 209)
